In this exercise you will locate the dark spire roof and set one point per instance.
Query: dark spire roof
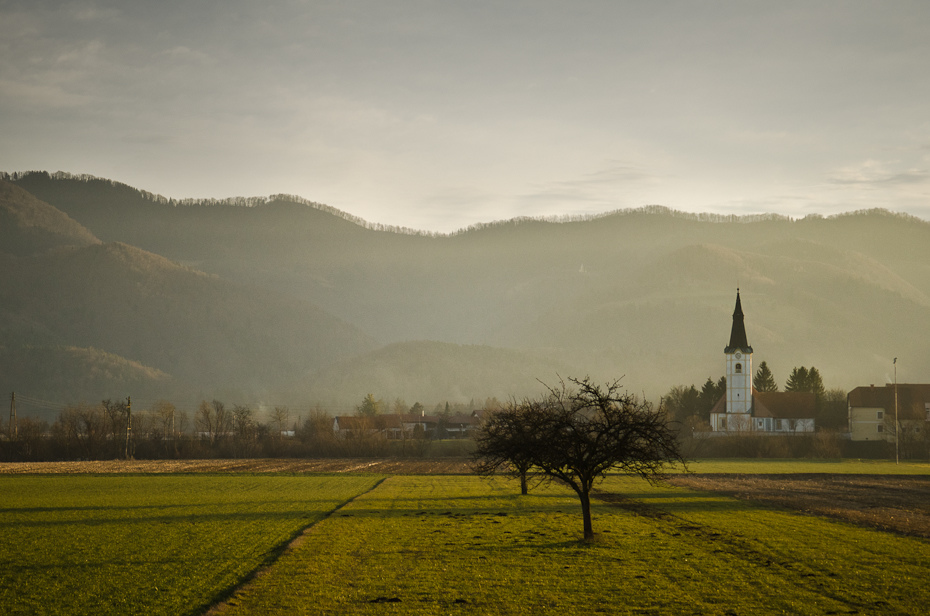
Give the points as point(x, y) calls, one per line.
point(738, 340)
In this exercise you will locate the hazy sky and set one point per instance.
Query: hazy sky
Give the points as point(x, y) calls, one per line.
point(439, 114)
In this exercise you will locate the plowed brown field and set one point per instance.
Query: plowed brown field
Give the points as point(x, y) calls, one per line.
point(897, 503)
point(389, 466)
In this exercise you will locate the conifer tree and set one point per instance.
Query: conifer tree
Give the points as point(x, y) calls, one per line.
point(710, 393)
point(798, 380)
point(763, 379)
point(369, 407)
point(804, 380)
point(815, 382)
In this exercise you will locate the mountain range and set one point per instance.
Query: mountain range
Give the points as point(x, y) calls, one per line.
point(111, 291)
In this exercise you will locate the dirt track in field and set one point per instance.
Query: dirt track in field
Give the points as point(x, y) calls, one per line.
point(897, 503)
point(388, 466)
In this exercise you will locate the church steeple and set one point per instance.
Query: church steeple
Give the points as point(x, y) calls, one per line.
point(738, 340)
point(739, 371)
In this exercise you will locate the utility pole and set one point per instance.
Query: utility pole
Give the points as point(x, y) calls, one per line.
point(13, 429)
point(128, 423)
point(174, 433)
point(897, 427)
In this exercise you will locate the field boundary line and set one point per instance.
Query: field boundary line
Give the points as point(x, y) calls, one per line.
point(220, 606)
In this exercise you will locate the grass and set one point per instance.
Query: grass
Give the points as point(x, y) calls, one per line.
point(155, 544)
point(416, 544)
point(468, 545)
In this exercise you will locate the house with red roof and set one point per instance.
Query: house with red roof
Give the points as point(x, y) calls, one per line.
point(872, 412)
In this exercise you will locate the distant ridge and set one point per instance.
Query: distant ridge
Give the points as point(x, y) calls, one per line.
point(661, 210)
point(212, 202)
point(656, 210)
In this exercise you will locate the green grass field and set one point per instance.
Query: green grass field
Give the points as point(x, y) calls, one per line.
point(150, 544)
point(467, 545)
point(174, 544)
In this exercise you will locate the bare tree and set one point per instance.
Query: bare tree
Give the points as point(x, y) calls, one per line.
point(83, 428)
point(223, 419)
point(508, 440)
point(577, 436)
point(243, 423)
point(206, 421)
point(280, 418)
point(118, 418)
point(166, 420)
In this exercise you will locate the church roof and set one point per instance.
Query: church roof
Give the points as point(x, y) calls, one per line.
point(738, 340)
point(784, 404)
point(777, 404)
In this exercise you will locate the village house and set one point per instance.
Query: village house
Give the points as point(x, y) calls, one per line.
point(872, 412)
point(395, 426)
point(742, 409)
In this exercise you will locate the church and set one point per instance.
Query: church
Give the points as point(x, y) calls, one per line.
point(742, 409)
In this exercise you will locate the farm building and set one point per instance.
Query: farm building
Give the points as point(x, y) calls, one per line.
point(743, 409)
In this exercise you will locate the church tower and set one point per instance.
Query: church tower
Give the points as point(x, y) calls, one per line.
point(739, 372)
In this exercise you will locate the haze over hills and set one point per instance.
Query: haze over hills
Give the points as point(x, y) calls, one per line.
point(29, 226)
point(259, 297)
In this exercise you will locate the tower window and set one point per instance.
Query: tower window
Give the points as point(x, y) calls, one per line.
point(739, 368)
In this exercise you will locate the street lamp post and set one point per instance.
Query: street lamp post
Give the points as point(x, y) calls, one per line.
point(897, 427)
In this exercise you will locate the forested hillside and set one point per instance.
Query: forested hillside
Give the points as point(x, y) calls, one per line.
point(292, 295)
point(76, 313)
point(29, 226)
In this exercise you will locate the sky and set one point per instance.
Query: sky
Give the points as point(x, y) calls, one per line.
point(436, 115)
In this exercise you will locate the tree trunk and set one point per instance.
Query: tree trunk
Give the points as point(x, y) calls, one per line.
point(523, 489)
point(586, 514)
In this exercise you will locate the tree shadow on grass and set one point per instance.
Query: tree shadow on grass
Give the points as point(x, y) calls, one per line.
point(102, 516)
point(679, 502)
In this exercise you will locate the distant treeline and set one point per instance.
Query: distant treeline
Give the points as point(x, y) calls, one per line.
point(109, 431)
point(100, 433)
point(565, 218)
point(112, 430)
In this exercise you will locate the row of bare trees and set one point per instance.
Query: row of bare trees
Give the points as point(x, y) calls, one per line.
point(117, 430)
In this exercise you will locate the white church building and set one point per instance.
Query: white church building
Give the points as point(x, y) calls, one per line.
point(744, 410)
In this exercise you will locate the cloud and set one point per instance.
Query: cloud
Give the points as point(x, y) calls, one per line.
point(602, 185)
point(87, 12)
point(908, 177)
point(446, 114)
point(26, 96)
point(184, 54)
point(877, 173)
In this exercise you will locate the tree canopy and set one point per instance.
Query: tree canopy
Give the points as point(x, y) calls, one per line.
point(575, 436)
point(509, 439)
point(682, 402)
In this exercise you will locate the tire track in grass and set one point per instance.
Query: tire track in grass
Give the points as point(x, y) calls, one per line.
point(220, 606)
